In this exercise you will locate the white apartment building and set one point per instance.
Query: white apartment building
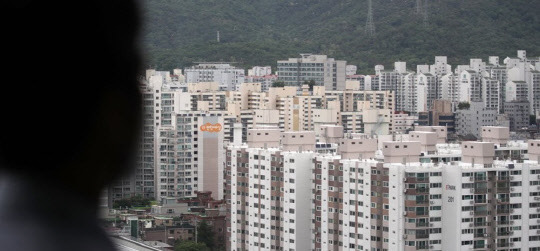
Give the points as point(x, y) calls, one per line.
point(491, 93)
point(426, 91)
point(449, 87)
point(470, 86)
point(268, 189)
point(190, 153)
point(227, 76)
point(360, 198)
point(260, 71)
point(470, 121)
point(440, 67)
point(323, 70)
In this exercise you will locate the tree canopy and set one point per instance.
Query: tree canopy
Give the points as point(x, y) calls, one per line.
point(190, 246)
point(178, 33)
point(135, 201)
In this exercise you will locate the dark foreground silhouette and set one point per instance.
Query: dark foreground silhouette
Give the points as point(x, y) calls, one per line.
point(70, 116)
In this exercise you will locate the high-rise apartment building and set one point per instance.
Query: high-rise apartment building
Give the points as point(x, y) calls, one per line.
point(227, 76)
point(518, 114)
point(290, 197)
point(470, 120)
point(268, 190)
point(190, 154)
point(324, 71)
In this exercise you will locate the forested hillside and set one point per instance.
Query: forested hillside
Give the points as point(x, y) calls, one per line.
point(259, 32)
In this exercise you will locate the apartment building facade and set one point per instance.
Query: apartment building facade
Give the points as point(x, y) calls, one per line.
point(324, 71)
point(360, 198)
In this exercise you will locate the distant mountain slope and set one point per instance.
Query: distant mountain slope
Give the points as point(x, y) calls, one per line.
point(259, 32)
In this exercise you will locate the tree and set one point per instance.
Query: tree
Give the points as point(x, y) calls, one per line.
point(135, 201)
point(205, 234)
point(464, 105)
point(278, 84)
point(190, 246)
point(310, 83)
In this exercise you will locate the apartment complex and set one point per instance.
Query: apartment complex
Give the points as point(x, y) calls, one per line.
point(376, 193)
point(187, 125)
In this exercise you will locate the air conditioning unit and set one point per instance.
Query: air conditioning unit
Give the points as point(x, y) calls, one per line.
point(538, 176)
point(538, 209)
point(486, 235)
point(405, 190)
point(512, 189)
point(431, 247)
point(471, 213)
point(471, 202)
point(472, 190)
point(471, 224)
point(471, 178)
point(512, 177)
point(405, 213)
point(430, 224)
point(431, 202)
point(404, 179)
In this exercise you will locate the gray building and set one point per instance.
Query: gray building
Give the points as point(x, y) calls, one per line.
point(470, 120)
point(228, 76)
point(323, 70)
point(517, 113)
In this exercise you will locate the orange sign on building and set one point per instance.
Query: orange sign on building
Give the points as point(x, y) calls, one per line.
point(208, 127)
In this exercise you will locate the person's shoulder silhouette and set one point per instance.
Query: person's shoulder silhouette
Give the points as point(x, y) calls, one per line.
point(70, 106)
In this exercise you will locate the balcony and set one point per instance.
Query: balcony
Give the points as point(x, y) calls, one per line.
point(481, 224)
point(422, 236)
point(503, 189)
point(480, 179)
point(480, 190)
point(503, 201)
point(476, 246)
point(504, 244)
point(480, 201)
point(504, 211)
point(505, 222)
point(422, 190)
point(481, 212)
point(481, 235)
point(504, 233)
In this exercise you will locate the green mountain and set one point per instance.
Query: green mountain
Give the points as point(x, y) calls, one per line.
point(260, 32)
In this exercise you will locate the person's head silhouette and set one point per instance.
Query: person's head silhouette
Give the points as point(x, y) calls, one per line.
point(70, 101)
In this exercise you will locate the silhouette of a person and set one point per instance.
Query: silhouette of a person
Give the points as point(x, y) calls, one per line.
point(70, 110)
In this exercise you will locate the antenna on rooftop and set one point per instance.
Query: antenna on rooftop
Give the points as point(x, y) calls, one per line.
point(218, 36)
point(425, 14)
point(370, 26)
